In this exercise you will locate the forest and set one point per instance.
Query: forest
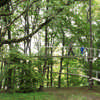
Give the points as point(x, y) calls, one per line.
point(49, 44)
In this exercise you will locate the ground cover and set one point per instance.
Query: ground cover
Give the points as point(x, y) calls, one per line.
point(72, 93)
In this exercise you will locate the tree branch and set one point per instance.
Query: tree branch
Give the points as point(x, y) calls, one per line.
point(25, 37)
point(8, 14)
point(30, 35)
point(3, 33)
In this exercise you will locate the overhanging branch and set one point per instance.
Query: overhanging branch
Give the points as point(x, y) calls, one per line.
point(8, 25)
point(10, 13)
point(40, 27)
point(25, 37)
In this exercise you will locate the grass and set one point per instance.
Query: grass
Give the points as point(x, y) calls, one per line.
point(73, 93)
point(38, 96)
point(24, 96)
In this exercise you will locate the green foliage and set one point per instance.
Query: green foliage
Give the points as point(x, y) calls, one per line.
point(19, 67)
point(26, 76)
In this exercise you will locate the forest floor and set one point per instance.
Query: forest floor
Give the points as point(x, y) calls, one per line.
point(72, 93)
point(75, 93)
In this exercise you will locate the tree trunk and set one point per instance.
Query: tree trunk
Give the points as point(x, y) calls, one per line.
point(63, 43)
point(27, 47)
point(51, 61)
point(67, 75)
point(1, 57)
point(59, 79)
point(48, 66)
point(45, 62)
point(46, 41)
point(9, 79)
point(91, 46)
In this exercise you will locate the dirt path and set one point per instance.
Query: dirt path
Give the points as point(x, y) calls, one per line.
point(74, 93)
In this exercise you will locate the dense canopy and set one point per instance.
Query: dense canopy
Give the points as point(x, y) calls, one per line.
point(46, 43)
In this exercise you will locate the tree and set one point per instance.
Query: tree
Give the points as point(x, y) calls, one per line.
point(4, 2)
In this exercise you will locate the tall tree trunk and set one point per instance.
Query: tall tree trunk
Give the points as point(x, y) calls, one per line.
point(0, 57)
point(46, 41)
point(9, 79)
point(63, 43)
point(91, 46)
point(48, 65)
point(67, 75)
point(59, 79)
point(39, 61)
point(51, 60)
point(5, 64)
point(45, 62)
point(27, 50)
